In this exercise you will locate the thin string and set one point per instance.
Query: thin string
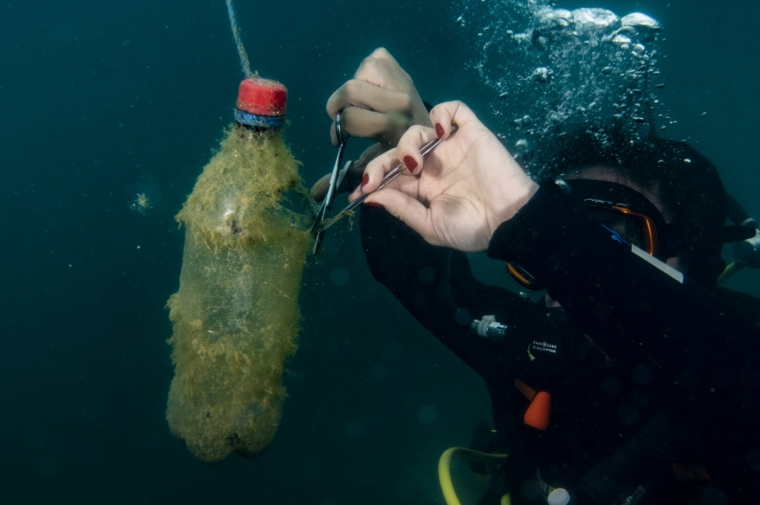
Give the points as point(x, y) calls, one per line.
point(238, 41)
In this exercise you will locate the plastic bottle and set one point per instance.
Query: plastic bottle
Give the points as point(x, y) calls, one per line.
point(235, 316)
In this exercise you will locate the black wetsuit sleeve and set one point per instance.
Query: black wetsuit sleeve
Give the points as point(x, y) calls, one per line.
point(436, 286)
point(706, 353)
point(419, 276)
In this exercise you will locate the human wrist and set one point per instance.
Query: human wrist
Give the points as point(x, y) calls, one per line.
point(515, 233)
point(520, 190)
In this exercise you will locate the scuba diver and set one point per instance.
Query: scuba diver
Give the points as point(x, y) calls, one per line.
point(635, 379)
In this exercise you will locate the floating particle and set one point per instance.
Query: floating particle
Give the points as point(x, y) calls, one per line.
point(141, 203)
point(703, 114)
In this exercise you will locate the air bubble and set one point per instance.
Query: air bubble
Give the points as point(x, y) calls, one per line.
point(549, 64)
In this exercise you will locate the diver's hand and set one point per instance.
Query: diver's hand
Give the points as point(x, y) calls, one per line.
point(380, 102)
point(461, 192)
point(352, 178)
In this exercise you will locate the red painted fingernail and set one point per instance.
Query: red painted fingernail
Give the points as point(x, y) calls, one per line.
point(410, 163)
point(365, 180)
point(375, 204)
point(439, 130)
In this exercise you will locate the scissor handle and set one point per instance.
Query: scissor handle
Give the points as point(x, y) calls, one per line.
point(395, 172)
point(332, 189)
point(342, 138)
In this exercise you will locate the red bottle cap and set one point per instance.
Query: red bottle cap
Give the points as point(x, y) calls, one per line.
point(262, 97)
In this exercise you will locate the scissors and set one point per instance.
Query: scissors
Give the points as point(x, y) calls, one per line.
point(394, 173)
point(336, 179)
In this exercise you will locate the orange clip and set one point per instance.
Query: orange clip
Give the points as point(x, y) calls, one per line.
point(538, 414)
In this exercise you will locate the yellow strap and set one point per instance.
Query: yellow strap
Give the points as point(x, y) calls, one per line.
point(444, 470)
point(444, 477)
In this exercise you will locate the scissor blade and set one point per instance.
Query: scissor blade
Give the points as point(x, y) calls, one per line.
point(342, 175)
point(319, 218)
point(332, 190)
point(389, 177)
point(336, 179)
point(318, 241)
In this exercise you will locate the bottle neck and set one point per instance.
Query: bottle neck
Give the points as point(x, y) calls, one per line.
point(255, 129)
point(257, 121)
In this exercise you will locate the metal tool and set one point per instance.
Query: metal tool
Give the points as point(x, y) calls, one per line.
point(336, 179)
point(393, 174)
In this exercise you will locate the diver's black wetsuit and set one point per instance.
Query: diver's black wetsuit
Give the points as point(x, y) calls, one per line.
point(645, 372)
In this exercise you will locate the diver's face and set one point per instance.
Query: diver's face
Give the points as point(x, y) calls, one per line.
point(611, 174)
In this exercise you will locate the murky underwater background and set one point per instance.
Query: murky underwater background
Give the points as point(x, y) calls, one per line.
point(102, 101)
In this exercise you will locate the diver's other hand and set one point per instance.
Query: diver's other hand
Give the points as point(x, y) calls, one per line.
point(380, 102)
point(353, 176)
point(462, 191)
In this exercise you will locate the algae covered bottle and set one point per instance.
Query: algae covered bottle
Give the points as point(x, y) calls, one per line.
point(235, 316)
